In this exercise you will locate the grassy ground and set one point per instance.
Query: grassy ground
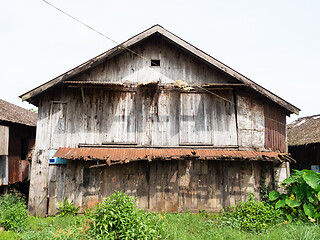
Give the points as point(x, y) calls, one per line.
point(177, 226)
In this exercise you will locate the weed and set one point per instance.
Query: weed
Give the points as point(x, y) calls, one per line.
point(67, 207)
point(251, 215)
point(13, 212)
point(118, 217)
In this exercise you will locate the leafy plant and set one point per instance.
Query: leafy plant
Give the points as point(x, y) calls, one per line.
point(265, 188)
point(251, 215)
point(301, 200)
point(68, 208)
point(118, 217)
point(13, 212)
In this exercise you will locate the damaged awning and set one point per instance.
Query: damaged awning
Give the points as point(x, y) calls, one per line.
point(126, 155)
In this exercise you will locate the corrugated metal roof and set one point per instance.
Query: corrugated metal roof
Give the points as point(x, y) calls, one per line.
point(15, 114)
point(125, 155)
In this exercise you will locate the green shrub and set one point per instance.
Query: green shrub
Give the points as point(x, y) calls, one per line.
point(301, 200)
point(251, 215)
point(67, 208)
point(13, 212)
point(118, 217)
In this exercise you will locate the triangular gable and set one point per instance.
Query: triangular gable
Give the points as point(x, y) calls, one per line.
point(176, 40)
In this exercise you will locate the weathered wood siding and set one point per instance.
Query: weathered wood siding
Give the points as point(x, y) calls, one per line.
point(175, 64)
point(4, 170)
point(4, 140)
point(146, 117)
point(159, 185)
point(251, 123)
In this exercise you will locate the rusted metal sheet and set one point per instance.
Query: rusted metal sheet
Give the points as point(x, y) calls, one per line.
point(131, 154)
point(275, 129)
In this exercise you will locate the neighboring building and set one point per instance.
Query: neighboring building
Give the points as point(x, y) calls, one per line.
point(17, 136)
point(164, 122)
point(304, 142)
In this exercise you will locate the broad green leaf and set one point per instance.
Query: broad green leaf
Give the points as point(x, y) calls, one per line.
point(281, 203)
point(295, 177)
point(308, 209)
point(316, 215)
point(273, 195)
point(311, 195)
point(289, 217)
point(312, 179)
point(292, 203)
point(301, 190)
point(318, 196)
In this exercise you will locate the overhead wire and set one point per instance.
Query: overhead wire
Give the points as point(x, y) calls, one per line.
point(143, 57)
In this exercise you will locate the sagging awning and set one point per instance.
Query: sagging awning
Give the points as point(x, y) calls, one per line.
point(126, 155)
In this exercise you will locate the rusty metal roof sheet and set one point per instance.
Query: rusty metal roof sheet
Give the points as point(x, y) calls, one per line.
point(125, 155)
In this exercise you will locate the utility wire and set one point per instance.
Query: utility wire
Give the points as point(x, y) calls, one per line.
point(98, 32)
point(121, 46)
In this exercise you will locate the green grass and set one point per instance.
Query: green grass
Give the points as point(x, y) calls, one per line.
point(201, 226)
point(177, 226)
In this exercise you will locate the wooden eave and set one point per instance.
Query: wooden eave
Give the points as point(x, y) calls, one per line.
point(157, 29)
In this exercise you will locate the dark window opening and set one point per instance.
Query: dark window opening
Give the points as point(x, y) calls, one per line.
point(24, 149)
point(155, 62)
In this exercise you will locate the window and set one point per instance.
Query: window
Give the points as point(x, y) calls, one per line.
point(155, 62)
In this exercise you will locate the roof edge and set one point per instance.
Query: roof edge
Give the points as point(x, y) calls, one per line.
point(179, 41)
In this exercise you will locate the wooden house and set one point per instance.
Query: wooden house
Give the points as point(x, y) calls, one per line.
point(17, 137)
point(304, 142)
point(158, 119)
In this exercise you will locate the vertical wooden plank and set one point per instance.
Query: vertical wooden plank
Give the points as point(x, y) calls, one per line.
point(224, 120)
point(37, 203)
point(58, 124)
point(251, 124)
point(3, 170)
point(4, 140)
point(196, 118)
point(247, 180)
point(121, 124)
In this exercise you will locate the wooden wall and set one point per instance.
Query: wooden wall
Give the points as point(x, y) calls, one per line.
point(160, 185)
point(4, 140)
point(146, 117)
point(175, 64)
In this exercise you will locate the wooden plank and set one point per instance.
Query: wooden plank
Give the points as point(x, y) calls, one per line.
point(250, 119)
point(191, 49)
point(4, 140)
point(58, 124)
point(37, 203)
point(195, 118)
point(4, 170)
point(224, 120)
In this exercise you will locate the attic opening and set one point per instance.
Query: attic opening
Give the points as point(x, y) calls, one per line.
point(155, 62)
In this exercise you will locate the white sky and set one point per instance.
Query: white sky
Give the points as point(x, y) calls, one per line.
point(275, 43)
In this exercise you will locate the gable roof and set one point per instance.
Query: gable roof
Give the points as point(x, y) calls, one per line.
point(15, 114)
point(303, 131)
point(157, 29)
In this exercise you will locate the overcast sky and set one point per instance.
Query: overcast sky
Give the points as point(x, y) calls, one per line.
point(275, 43)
